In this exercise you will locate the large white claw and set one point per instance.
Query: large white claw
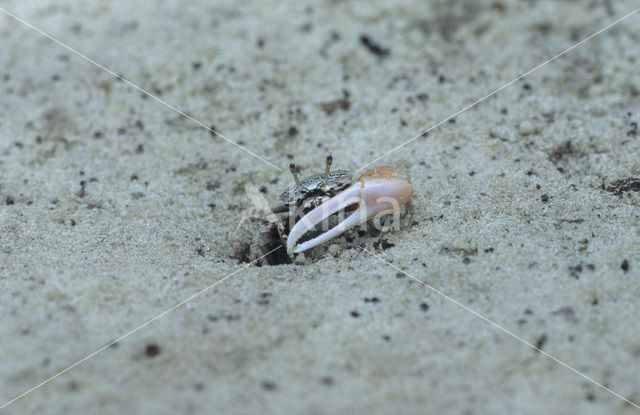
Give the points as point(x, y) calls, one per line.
point(377, 192)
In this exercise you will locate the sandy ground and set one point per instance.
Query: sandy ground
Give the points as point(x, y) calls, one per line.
point(115, 208)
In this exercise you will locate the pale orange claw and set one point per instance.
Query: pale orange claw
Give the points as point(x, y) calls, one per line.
point(379, 191)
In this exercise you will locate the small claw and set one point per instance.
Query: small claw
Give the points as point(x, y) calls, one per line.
point(377, 192)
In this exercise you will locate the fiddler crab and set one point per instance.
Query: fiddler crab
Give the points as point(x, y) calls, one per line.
point(312, 211)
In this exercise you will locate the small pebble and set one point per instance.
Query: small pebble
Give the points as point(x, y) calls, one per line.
point(526, 128)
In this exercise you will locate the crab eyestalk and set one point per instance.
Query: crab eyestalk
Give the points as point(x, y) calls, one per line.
point(327, 169)
point(379, 191)
point(292, 167)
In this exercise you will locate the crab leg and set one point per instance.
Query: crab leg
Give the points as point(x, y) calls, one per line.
point(377, 192)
